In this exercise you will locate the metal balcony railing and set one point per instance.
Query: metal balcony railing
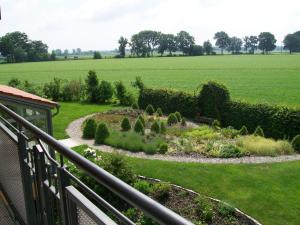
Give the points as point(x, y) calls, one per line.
point(41, 190)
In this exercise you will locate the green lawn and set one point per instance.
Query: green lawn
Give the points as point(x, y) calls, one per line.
point(257, 78)
point(72, 111)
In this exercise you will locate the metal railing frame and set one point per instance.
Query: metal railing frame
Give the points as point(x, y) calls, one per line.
point(150, 207)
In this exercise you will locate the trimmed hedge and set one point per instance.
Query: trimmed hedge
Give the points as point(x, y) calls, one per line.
point(169, 101)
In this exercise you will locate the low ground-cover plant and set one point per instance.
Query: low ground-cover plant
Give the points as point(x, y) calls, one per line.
point(257, 145)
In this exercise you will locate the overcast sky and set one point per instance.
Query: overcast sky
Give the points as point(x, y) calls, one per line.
point(97, 24)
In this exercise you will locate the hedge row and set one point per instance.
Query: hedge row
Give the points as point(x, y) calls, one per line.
point(277, 122)
point(169, 101)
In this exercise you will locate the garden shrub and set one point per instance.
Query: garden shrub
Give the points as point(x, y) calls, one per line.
point(216, 125)
point(142, 119)
point(106, 92)
point(131, 214)
point(178, 115)
point(172, 119)
point(135, 106)
point(89, 129)
point(155, 127)
point(126, 98)
point(163, 148)
point(226, 210)
point(161, 191)
point(163, 128)
point(169, 101)
point(92, 89)
point(53, 90)
point(125, 125)
point(204, 208)
point(230, 151)
point(296, 143)
point(212, 99)
point(142, 186)
point(159, 111)
point(101, 134)
point(150, 109)
point(73, 91)
point(138, 83)
point(183, 122)
point(139, 127)
point(259, 131)
point(14, 82)
point(243, 130)
point(229, 132)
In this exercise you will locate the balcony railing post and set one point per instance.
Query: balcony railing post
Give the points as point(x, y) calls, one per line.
point(26, 180)
point(63, 182)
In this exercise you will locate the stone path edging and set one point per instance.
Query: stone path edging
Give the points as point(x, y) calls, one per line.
point(74, 131)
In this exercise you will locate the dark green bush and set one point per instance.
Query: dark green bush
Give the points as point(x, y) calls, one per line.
point(14, 82)
point(53, 90)
point(296, 143)
point(101, 134)
point(161, 191)
point(150, 109)
point(259, 131)
point(178, 115)
point(89, 129)
point(172, 119)
point(230, 151)
point(163, 128)
point(139, 127)
point(135, 106)
point(169, 101)
point(163, 148)
point(159, 111)
point(126, 98)
point(142, 186)
point(243, 130)
point(106, 92)
point(73, 91)
point(155, 127)
point(92, 89)
point(216, 124)
point(125, 125)
point(97, 55)
point(183, 122)
point(142, 119)
point(212, 100)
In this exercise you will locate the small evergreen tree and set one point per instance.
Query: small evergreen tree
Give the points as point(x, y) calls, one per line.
point(296, 143)
point(183, 122)
point(259, 131)
point(216, 124)
point(163, 128)
point(142, 119)
point(125, 125)
point(163, 148)
point(139, 127)
point(172, 119)
point(155, 127)
point(102, 133)
point(159, 112)
point(178, 115)
point(243, 130)
point(150, 110)
point(106, 92)
point(89, 129)
point(135, 106)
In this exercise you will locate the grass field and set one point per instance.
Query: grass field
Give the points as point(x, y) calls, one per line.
point(268, 192)
point(258, 78)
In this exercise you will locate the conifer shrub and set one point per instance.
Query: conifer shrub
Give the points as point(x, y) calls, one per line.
point(159, 111)
point(135, 106)
point(150, 110)
point(89, 129)
point(183, 122)
point(101, 134)
point(142, 119)
point(155, 127)
point(243, 130)
point(178, 115)
point(163, 148)
point(125, 125)
point(215, 124)
point(139, 127)
point(172, 119)
point(163, 128)
point(259, 131)
point(296, 143)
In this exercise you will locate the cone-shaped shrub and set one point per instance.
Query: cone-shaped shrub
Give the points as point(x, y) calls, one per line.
point(155, 127)
point(142, 119)
point(150, 110)
point(163, 128)
point(135, 106)
point(139, 127)
point(183, 122)
point(172, 119)
point(89, 129)
point(296, 143)
point(243, 131)
point(163, 148)
point(102, 133)
point(178, 115)
point(125, 125)
point(259, 132)
point(159, 112)
point(215, 124)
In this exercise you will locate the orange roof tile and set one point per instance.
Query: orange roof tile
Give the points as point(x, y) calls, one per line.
point(14, 92)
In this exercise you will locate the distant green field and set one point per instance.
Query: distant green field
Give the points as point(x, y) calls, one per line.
point(274, 78)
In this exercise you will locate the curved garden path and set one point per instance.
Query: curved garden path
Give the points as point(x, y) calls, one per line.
point(75, 133)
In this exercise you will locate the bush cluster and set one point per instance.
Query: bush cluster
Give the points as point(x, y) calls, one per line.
point(168, 101)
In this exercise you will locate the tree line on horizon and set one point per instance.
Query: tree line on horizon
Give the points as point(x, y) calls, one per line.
point(17, 47)
point(145, 43)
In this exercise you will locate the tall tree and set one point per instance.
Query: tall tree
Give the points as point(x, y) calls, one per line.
point(266, 42)
point(235, 45)
point(37, 51)
point(122, 46)
point(250, 44)
point(138, 46)
point(184, 41)
point(292, 43)
point(222, 40)
point(207, 47)
point(167, 42)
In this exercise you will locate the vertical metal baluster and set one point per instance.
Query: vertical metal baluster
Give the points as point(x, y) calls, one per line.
point(63, 182)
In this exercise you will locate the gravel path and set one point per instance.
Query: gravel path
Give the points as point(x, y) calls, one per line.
point(74, 131)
